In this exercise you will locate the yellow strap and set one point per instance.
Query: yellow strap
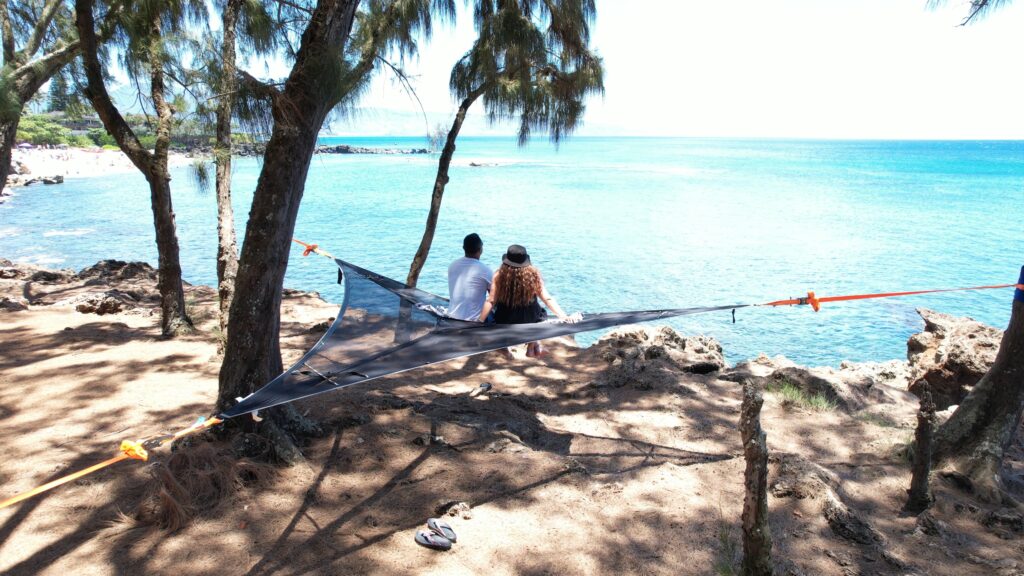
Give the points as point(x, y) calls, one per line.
point(129, 450)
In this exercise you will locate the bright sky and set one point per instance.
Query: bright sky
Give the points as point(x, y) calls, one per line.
point(757, 68)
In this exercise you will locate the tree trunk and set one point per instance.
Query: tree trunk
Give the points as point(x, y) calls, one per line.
point(227, 246)
point(22, 83)
point(757, 538)
point(8, 138)
point(439, 183)
point(173, 316)
point(975, 438)
point(252, 354)
point(920, 495)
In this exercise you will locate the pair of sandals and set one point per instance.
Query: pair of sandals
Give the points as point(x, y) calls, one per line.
point(440, 535)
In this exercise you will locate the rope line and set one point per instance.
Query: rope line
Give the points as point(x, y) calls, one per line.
point(138, 450)
point(130, 450)
point(815, 302)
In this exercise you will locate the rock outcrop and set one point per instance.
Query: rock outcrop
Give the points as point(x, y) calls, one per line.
point(106, 270)
point(951, 355)
point(346, 149)
point(851, 388)
point(20, 180)
point(647, 358)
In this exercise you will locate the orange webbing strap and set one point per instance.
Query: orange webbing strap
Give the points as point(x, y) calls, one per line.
point(816, 302)
point(129, 451)
point(312, 248)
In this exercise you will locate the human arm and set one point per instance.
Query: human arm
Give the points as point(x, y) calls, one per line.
point(489, 301)
point(550, 302)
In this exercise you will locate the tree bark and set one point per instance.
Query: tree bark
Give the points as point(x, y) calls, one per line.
point(920, 495)
point(252, 354)
point(439, 183)
point(975, 438)
point(22, 83)
point(8, 138)
point(227, 246)
point(757, 538)
point(173, 316)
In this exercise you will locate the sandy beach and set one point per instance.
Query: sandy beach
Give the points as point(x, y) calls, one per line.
point(81, 162)
point(567, 465)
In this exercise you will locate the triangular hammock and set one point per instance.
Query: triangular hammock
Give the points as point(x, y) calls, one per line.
point(385, 327)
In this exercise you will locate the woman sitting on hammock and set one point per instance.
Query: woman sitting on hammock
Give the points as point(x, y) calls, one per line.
point(515, 289)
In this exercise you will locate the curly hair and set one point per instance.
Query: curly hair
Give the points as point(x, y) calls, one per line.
point(517, 286)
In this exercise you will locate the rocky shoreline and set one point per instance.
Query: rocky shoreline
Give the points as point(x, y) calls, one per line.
point(46, 166)
point(248, 149)
point(951, 354)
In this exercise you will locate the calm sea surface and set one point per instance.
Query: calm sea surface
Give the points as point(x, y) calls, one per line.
point(624, 224)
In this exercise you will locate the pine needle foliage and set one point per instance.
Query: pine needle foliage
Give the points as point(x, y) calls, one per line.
point(532, 62)
point(977, 9)
point(382, 27)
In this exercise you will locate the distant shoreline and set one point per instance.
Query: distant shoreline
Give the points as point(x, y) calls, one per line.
point(48, 163)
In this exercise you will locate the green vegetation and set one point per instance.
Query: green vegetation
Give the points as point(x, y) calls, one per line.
point(792, 395)
point(728, 547)
point(54, 129)
point(40, 130)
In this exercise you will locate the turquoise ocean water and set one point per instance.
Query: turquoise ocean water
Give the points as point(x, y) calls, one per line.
point(622, 224)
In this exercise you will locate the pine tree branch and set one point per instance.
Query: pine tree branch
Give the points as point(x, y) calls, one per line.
point(258, 86)
point(403, 79)
point(41, 26)
point(7, 32)
point(47, 64)
point(295, 6)
point(96, 90)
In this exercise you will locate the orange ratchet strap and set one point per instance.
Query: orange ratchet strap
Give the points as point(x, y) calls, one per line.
point(815, 302)
point(312, 249)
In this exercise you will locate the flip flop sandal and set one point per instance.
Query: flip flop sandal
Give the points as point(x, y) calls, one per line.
point(431, 540)
point(441, 528)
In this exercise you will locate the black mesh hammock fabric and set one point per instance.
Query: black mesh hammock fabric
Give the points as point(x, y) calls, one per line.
point(385, 327)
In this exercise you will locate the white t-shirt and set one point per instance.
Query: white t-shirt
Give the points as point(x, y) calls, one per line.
point(468, 282)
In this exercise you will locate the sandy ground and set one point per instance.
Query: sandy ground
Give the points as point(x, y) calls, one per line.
point(559, 476)
point(82, 162)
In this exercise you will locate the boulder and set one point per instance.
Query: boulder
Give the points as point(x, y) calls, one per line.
point(757, 369)
point(654, 357)
point(850, 391)
point(110, 302)
point(50, 276)
point(13, 304)
point(117, 269)
point(951, 355)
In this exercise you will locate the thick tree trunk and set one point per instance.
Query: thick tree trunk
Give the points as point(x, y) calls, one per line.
point(227, 246)
point(153, 165)
point(757, 538)
point(8, 138)
point(975, 438)
point(439, 183)
point(23, 82)
point(920, 495)
point(252, 355)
